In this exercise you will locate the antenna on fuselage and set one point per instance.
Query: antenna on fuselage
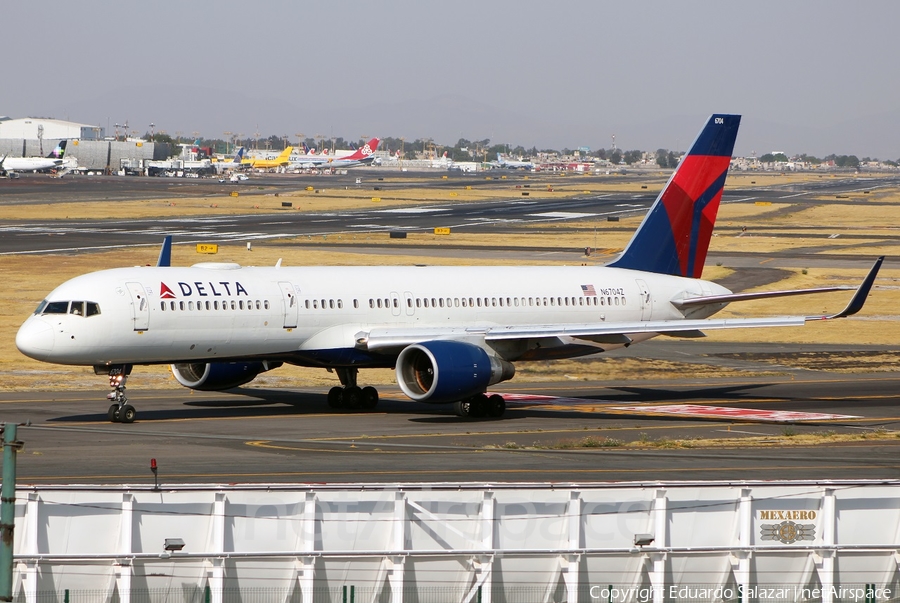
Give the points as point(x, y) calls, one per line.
point(278, 263)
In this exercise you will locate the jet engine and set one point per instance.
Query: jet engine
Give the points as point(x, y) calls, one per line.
point(216, 376)
point(447, 371)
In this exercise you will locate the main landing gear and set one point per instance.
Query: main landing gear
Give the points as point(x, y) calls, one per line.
point(481, 405)
point(350, 395)
point(120, 411)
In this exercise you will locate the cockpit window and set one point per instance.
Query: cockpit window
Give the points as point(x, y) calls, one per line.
point(75, 308)
point(59, 307)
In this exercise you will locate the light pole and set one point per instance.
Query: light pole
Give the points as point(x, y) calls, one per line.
point(226, 134)
point(151, 131)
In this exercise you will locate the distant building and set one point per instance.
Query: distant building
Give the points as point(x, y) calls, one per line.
point(33, 128)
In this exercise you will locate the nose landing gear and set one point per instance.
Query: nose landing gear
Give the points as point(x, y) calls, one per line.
point(120, 411)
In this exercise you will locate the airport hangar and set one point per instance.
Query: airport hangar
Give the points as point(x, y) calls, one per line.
point(36, 137)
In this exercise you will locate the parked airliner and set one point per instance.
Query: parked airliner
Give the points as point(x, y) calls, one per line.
point(361, 156)
point(10, 165)
point(449, 332)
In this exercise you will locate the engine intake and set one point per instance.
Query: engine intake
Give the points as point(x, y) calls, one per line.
point(216, 376)
point(447, 371)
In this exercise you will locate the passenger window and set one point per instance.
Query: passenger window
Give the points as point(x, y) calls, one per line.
point(371, 303)
point(172, 306)
point(190, 305)
point(493, 301)
point(396, 303)
point(456, 302)
point(234, 305)
point(315, 304)
point(470, 302)
point(356, 303)
point(379, 302)
point(257, 304)
point(331, 304)
point(266, 304)
point(181, 306)
point(162, 306)
point(340, 304)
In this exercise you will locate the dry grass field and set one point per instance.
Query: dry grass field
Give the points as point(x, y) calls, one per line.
point(770, 229)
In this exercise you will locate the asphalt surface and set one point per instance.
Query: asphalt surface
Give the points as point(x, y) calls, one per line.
point(262, 436)
point(512, 214)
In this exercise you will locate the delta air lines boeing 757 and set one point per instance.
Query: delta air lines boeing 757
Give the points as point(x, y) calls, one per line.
point(449, 332)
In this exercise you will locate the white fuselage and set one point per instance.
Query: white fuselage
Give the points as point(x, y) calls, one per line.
point(147, 315)
point(26, 164)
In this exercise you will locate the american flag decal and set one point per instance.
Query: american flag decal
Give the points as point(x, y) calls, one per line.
point(588, 290)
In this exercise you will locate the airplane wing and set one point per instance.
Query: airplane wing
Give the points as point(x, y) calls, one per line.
point(386, 338)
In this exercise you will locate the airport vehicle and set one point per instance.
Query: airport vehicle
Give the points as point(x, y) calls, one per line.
point(513, 164)
point(362, 156)
point(282, 160)
point(449, 332)
point(10, 165)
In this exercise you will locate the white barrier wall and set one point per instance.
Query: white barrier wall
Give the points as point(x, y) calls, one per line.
point(761, 541)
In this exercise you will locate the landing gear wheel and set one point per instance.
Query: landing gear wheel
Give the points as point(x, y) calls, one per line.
point(461, 408)
point(334, 396)
point(352, 397)
point(369, 397)
point(127, 413)
point(496, 406)
point(113, 413)
point(479, 406)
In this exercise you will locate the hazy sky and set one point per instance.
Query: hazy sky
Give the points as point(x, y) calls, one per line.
point(809, 76)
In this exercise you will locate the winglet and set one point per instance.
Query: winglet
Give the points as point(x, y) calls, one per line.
point(859, 298)
point(165, 253)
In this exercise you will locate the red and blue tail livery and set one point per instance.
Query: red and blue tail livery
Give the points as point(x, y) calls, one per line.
point(674, 236)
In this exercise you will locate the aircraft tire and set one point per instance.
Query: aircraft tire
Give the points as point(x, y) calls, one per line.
point(478, 406)
point(369, 397)
point(496, 406)
point(127, 413)
point(113, 413)
point(352, 397)
point(334, 396)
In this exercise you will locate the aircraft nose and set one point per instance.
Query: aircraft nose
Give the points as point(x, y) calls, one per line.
point(35, 339)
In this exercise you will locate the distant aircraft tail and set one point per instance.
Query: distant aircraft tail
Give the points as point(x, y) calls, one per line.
point(367, 150)
point(59, 152)
point(674, 236)
point(239, 156)
point(305, 149)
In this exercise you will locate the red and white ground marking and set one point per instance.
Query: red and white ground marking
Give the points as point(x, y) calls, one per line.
point(685, 410)
point(721, 412)
point(548, 399)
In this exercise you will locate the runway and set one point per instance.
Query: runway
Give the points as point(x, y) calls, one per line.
point(513, 214)
point(596, 432)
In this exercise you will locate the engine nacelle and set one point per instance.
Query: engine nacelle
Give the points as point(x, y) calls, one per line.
point(216, 376)
point(447, 371)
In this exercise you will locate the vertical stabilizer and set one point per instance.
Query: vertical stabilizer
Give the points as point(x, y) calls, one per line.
point(674, 236)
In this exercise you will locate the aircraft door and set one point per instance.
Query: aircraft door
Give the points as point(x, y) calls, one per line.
point(291, 305)
point(395, 303)
point(410, 305)
point(646, 301)
point(140, 306)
